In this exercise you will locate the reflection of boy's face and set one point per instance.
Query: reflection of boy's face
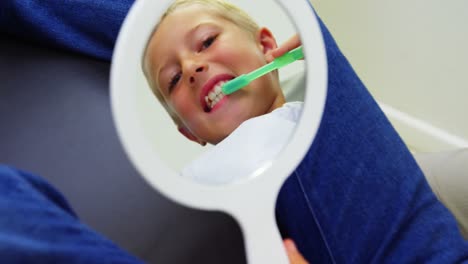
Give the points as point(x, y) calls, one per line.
point(192, 53)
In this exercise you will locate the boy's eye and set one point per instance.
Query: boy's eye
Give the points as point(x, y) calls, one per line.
point(207, 42)
point(174, 80)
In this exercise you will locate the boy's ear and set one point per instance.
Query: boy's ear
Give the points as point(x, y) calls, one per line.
point(186, 132)
point(266, 40)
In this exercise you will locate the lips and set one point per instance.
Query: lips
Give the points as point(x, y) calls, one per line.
point(209, 87)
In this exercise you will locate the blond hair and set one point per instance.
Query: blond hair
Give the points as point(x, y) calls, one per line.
point(225, 10)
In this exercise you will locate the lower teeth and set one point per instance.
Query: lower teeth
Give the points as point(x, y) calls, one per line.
point(214, 103)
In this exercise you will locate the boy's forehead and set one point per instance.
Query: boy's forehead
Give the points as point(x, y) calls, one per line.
point(175, 27)
point(178, 26)
point(190, 14)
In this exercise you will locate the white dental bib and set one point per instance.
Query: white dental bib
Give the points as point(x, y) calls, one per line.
point(249, 150)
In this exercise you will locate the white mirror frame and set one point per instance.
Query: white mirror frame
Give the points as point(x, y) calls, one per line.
point(252, 202)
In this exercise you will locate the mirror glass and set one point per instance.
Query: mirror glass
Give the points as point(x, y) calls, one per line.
point(213, 50)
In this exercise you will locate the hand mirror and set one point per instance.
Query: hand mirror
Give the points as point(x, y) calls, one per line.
point(252, 201)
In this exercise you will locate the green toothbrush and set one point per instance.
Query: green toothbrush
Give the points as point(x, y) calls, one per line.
point(243, 80)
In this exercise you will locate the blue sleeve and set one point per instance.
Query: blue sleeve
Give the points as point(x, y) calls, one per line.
point(86, 26)
point(38, 226)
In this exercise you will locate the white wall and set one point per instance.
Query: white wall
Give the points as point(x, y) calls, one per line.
point(413, 57)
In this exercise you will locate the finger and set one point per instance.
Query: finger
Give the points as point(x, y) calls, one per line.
point(293, 254)
point(269, 57)
point(290, 44)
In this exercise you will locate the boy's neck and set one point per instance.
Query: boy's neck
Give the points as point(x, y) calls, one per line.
point(277, 103)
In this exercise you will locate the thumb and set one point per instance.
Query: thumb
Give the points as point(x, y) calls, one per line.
point(290, 44)
point(293, 254)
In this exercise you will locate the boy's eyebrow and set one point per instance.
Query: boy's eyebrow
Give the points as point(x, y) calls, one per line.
point(192, 32)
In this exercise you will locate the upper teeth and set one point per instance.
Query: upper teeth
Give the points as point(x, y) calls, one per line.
point(215, 95)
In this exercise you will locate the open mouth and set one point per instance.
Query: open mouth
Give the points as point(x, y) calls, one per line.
point(212, 93)
point(214, 96)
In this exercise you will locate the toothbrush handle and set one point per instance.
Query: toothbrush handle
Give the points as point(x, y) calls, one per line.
point(277, 63)
point(289, 57)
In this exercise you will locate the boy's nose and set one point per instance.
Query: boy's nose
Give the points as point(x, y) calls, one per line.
point(198, 69)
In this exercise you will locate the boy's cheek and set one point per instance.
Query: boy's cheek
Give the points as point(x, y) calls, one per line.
point(181, 101)
point(237, 57)
point(187, 112)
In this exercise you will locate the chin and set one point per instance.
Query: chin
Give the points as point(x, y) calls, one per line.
point(227, 131)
